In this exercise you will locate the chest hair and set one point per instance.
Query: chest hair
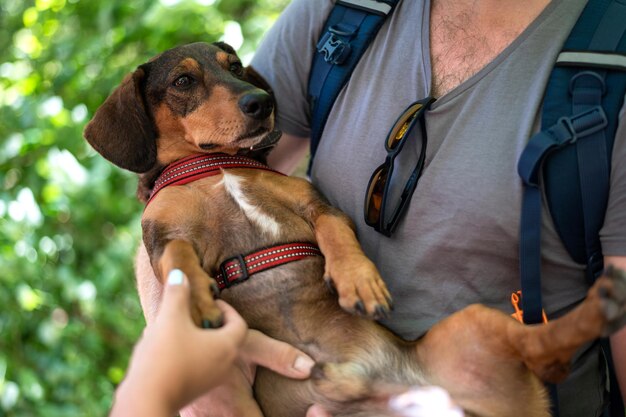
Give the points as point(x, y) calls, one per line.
point(466, 35)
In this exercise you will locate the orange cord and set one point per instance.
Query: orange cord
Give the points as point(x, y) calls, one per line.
point(518, 315)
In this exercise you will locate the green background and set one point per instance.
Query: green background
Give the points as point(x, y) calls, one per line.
point(69, 221)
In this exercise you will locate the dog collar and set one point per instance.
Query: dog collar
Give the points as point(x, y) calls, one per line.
point(239, 268)
point(199, 166)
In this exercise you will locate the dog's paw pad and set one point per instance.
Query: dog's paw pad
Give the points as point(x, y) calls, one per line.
point(612, 294)
point(211, 320)
point(612, 310)
point(330, 284)
point(207, 314)
point(359, 307)
point(381, 312)
point(208, 324)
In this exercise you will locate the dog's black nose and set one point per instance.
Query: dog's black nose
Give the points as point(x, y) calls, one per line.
point(258, 105)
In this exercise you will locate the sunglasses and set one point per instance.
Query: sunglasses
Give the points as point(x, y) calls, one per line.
point(375, 208)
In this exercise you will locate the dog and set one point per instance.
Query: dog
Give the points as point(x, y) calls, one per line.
point(196, 125)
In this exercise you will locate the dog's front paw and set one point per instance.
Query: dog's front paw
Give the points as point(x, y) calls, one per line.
point(359, 287)
point(612, 293)
point(204, 309)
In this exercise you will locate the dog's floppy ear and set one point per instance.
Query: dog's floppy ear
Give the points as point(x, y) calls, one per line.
point(121, 130)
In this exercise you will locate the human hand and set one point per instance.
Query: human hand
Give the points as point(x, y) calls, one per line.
point(234, 396)
point(175, 361)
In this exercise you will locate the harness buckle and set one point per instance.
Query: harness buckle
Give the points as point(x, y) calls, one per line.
point(334, 49)
point(243, 271)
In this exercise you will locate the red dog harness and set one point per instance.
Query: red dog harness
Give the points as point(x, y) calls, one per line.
point(195, 167)
point(238, 268)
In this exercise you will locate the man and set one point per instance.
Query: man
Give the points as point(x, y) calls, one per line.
point(486, 63)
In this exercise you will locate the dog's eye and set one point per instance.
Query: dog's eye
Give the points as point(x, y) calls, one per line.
point(183, 81)
point(236, 68)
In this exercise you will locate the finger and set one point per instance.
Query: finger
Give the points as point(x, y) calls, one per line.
point(278, 356)
point(228, 399)
point(234, 324)
point(316, 410)
point(175, 294)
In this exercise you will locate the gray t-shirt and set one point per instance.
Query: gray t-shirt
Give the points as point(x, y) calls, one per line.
point(458, 242)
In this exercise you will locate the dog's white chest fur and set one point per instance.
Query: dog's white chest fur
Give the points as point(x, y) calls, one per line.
point(233, 186)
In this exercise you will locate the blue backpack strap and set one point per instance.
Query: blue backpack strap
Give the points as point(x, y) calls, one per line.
point(349, 29)
point(590, 75)
point(580, 114)
point(572, 153)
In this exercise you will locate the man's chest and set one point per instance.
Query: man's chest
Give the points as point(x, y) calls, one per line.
point(465, 36)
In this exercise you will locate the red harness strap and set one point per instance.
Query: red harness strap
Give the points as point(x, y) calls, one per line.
point(239, 268)
point(194, 167)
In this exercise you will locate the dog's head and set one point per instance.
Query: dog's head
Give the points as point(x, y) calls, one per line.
point(190, 99)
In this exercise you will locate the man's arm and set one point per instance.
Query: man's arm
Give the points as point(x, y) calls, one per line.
point(618, 340)
point(288, 153)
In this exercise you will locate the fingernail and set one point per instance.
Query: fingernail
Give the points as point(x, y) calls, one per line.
point(175, 277)
point(303, 364)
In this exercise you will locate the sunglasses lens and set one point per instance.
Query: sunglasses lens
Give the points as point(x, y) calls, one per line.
point(401, 127)
point(375, 192)
point(383, 186)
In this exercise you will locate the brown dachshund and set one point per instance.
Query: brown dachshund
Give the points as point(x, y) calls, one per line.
point(194, 123)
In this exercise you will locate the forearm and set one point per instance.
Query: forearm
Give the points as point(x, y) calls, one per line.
point(618, 348)
point(132, 399)
point(288, 153)
point(618, 340)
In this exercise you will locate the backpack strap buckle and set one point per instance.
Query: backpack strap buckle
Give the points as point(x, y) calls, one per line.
point(584, 124)
point(333, 47)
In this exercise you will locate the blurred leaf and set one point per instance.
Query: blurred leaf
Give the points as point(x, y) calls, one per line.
point(69, 220)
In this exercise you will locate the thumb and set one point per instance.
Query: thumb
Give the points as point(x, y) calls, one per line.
point(175, 294)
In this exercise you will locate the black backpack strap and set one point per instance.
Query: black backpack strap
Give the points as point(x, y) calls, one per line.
point(349, 29)
point(572, 153)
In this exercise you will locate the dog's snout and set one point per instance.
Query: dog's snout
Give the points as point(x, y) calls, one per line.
point(258, 105)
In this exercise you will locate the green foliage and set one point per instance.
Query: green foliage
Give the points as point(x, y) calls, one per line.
point(69, 221)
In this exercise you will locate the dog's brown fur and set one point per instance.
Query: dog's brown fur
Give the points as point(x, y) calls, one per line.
point(188, 100)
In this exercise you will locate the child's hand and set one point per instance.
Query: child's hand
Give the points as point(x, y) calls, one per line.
point(175, 361)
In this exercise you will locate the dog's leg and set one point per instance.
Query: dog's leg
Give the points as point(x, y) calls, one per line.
point(360, 288)
point(482, 350)
point(547, 349)
point(347, 270)
point(181, 254)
